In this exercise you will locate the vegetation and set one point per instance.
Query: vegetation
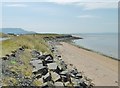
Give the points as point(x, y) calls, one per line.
point(3, 35)
point(21, 65)
point(33, 41)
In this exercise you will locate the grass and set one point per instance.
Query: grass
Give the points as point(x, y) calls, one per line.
point(7, 80)
point(3, 35)
point(34, 41)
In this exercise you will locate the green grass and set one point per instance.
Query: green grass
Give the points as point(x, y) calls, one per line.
point(29, 41)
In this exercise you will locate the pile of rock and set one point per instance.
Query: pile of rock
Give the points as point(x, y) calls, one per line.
point(53, 72)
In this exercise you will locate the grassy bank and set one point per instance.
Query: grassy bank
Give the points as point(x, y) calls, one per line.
point(35, 41)
point(30, 42)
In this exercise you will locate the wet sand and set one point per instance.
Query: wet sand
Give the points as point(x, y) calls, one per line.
point(102, 70)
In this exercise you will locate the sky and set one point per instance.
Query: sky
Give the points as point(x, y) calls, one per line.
point(60, 16)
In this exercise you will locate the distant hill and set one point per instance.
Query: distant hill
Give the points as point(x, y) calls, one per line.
point(15, 31)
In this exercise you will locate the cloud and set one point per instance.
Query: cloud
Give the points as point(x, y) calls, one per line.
point(74, 1)
point(16, 5)
point(98, 5)
point(60, 1)
point(89, 4)
point(86, 4)
point(86, 16)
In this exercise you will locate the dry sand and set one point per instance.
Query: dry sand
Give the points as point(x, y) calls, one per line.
point(102, 70)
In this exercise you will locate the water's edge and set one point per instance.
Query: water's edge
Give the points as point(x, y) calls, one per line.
point(74, 44)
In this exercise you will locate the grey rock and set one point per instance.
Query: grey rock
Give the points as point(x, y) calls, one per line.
point(58, 84)
point(64, 78)
point(38, 76)
point(4, 58)
point(64, 72)
point(52, 66)
point(49, 59)
point(78, 75)
point(40, 69)
point(46, 77)
point(36, 62)
point(55, 76)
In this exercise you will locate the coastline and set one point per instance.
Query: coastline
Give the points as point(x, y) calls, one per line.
point(99, 69)
point(73, 43)
point(44, 67)
point(95, 66)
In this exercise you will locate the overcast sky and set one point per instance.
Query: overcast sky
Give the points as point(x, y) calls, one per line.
point(61, 16)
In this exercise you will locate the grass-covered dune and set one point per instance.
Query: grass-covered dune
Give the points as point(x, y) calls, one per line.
point(33, 41)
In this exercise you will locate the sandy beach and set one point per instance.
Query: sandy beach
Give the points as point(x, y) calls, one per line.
point(102, 70)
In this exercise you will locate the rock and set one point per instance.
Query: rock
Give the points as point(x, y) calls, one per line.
point(14, 51)
point(13, 55)
point(40, 70)
point(78, 75)
point(42, 57)
point(84, 85)
point(64, 78)
point(75, 82)
point(87, 83)
point(64, 66)
point(21, 48)
point(64, 73)
point(72, 75)
point(35, 71)
point(49, 59)
point(47, 85)
point(7, 55)
point(35, 62)
point(52, 66)
point(38, 76)
point(60, 67)
point(35, 53)
point(58, 84)
point(46, 77)
point(55, 76)
point(32, 59)
point(67, 84)
point(59, 56)
point(74, 71)
point(4, 58)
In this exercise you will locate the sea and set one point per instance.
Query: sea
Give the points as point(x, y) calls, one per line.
point(103, 43)
point(1, 39)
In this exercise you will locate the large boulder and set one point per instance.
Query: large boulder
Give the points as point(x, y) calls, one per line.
point(55, 76)
point(49, 59)
point(59, 84)
point(40, 70)
point(47, 77)
point(35, 62)
point(52, 66)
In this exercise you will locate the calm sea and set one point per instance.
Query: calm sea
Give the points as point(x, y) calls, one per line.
point(103, 43)
point(1, 39)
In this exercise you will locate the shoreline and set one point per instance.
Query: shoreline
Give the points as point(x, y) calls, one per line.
point(76, 56)
point(73, 43)
point(96, 66)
